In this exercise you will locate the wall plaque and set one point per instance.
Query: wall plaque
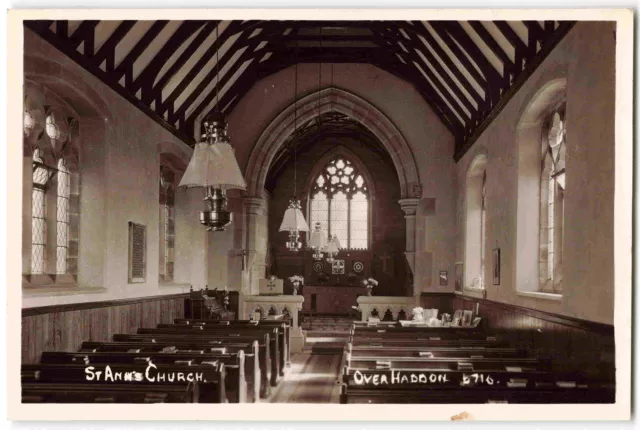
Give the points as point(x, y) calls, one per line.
point(137, 253)
point(358, 266)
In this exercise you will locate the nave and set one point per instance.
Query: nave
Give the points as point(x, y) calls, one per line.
point(330, 212)
point(342, 361)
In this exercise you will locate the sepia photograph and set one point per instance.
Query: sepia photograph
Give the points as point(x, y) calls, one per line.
point(227, 209)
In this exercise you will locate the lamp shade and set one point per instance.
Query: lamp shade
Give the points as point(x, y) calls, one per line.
point(333, 246)
point(317, 239)
point(293, 218)
point(336, 241)
point(213, 165)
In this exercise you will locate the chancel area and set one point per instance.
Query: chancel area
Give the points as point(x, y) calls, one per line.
point(294, 211)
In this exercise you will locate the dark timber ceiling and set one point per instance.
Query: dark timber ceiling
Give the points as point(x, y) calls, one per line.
point(465, 70)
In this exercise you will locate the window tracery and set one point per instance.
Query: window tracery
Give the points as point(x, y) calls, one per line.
point(340, 203)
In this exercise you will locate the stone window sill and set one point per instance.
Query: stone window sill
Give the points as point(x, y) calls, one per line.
point(540, 295)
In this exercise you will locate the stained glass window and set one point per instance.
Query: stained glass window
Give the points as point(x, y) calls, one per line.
point(52, 128)
point(62, 218)
point(167, 228)
point(553, 183)
point(340, 203)
point(41, 175)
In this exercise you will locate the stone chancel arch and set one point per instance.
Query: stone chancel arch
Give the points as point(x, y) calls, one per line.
point(346, 103)
point(282, 126)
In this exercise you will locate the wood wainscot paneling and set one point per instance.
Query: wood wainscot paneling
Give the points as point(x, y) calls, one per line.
point(573, 344)
point(65, 327)
point(444, 302)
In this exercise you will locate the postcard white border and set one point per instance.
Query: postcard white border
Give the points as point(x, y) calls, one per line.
point(292, 412)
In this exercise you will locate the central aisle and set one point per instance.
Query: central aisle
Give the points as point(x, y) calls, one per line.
point(314, 373)
point(312, 378)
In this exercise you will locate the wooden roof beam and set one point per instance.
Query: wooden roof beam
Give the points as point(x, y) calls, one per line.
point(233, 28)
point(273, 33)
point(108, 49)
point(414, 45)
point(249, 52)
point(156, 91)
point(420, 31)
point(146, 78)
point(125, 68)
point(495, 78)
point(521, 49)
point(85, 33)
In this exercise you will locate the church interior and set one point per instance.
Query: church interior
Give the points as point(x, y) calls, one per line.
point(338, 212)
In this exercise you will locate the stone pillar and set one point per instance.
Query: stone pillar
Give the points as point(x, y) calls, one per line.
point(255, 244)
point(409, 207)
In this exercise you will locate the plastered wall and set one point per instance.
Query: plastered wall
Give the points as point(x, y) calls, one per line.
point(429, 140)
point(119, 161)
point(586, 58)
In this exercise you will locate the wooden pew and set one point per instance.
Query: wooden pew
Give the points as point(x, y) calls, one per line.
point(280, 324)
point(240, 365)
point(435, 386)
point(211, 341)
point(279, 330)
point(275, 352)
point(399, 333)
point(447, 363)
point(237, 386)
point(387, 343)
point(209, 378)
point(113, 393)
point(420, 351)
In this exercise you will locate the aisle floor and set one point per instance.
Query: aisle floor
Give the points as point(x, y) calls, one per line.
point(312, 378)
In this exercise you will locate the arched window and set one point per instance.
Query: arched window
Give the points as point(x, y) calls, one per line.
point(476, 223)
point(552, 190)
point(42, 174)
point(339, 201)
point(50, 145)
point(62, 217)
point(541, 147)
point(167, 224)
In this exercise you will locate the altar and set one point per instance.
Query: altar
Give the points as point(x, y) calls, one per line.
point(331, 299)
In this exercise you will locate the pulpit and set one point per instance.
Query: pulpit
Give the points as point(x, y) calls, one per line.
point(206, 304)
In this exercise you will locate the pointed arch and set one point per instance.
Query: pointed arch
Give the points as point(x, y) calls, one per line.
point(351, 105)
point(531, 218)
point(357, 198)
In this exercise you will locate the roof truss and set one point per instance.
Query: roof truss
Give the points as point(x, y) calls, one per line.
point(178, 71)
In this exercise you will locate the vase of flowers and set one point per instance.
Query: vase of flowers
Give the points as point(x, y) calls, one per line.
point(297, 281)
point(369, 284)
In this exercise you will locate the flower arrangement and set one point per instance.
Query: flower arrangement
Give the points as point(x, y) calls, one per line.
point(297, 281)
point(418, 314)
point(369, 283)
point(225, 298)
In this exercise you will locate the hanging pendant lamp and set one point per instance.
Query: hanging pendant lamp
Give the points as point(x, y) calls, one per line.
point(293, 220)
point(317, 241)
point(214, 167)
point(333, 248)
